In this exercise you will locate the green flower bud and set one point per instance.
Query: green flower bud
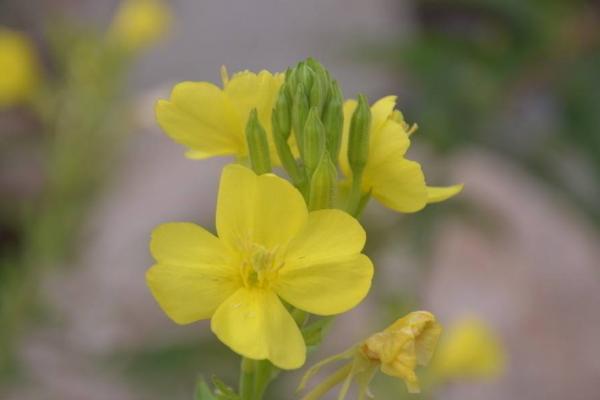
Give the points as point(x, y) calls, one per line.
point(305, 75)
point(333, 119)
point(280, 138)
point(258, 146)
point(323, 184)
point(299, 113)
point(282, 112)
point(358, 141)
point(320, 90)
point(313, 140)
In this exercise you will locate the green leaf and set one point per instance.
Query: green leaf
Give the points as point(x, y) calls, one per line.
point(203, 392)
point(222, 391)
point(315, 332)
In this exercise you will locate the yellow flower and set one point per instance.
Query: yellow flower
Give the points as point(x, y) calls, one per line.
point(140, 23)
point(470, 350)
point(19, 68)
point(269, 248)
point(396, 351)
point(396, 182)
point(211, 121)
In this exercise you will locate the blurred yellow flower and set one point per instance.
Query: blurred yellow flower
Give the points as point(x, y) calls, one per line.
point(469, 351)
point(396, 182)
point(211, 121)
point(140, 23)
point(396, 351)
point(269, 248)
point(19, 68)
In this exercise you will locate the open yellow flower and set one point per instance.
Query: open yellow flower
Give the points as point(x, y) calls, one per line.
point(269, 247)
point(398, 183)
point(211, 121)
point(139, 23)
point(19, 68)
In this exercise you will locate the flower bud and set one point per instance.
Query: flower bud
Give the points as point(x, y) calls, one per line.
point(320, 89)
point(258, 146)
point(305, 76)
point(323, 184)
point(280, 139)
point(282, 112)
point(358, 141)
point(313, 140)
point(333, 119)
point(299, 113)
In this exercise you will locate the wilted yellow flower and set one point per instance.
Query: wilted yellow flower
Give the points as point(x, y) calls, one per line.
point(140, 23)
point(269, 248)
point(408, 342)
point(211, 121)
point(19, 68)
point(469, 351)
point(398, 183)
point(396, 351)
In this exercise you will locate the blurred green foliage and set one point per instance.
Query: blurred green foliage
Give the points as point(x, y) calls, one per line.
point(519, 77)
point(79, 115)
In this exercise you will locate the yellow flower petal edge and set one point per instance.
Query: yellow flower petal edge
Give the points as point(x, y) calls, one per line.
point(396, 182)
point(269, 249)
point(211, 121)
point(437, 194)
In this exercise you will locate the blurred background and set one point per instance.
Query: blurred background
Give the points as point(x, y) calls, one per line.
point(506, 94)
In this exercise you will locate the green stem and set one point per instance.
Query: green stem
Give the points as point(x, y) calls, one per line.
point(262, 378)
point(328, 384)
point(247, 379)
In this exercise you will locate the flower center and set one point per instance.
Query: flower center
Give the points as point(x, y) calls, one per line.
point(259, 266)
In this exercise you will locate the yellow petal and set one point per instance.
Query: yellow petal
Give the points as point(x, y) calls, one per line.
point(248, 90)
point(326, 288)
point(398, 183)
point(255, 324)
point(381, 111)
point(390, 140)
point(192, 275)
point(437, 194)
point(328, 235)
point(266, 210)
point(199, 116)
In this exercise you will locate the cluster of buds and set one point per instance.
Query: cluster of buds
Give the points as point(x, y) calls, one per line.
point(307, 125)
